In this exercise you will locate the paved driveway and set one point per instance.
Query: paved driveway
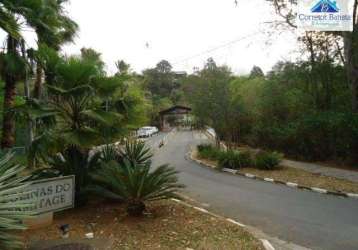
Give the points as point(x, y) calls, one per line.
point(302, 217)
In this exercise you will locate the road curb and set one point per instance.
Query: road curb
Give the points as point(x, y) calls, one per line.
point(190, 157)
point(266, 244)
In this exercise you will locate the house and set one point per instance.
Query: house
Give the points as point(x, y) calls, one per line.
point(174, 117)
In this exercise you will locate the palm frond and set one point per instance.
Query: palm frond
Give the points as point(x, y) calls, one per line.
point(137, 153)
point(12, 207)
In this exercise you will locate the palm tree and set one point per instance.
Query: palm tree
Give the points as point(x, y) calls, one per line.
point(8, 21)
point(11, 13)
point(53, 28)
point(78, 119)
point(13, 67)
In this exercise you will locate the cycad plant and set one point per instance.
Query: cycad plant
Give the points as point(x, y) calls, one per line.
point(12, 208)
point(132, 180)
point(136, 184)
point(136, 152)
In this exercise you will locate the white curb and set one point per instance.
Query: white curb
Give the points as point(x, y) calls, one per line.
point(201, 210)
point(269, 179)
point(235, 222)
point(228, 170)
point(291, 184)
point(352, 195)
point(250, 175)
point(267, 244)
point(319, 190)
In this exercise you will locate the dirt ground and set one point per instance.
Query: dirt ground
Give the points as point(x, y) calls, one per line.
point(167, 225)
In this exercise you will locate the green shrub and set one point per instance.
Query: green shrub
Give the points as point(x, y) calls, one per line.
point(312, 136)
point(245, 159)
point(203, 147)
point(234, 159)
point(267, 160)
point(208, 151)
point(72, 161)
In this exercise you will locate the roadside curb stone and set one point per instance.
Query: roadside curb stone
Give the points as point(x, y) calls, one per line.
point(190, 157)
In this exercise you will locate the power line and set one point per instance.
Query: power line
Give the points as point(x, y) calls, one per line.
point(216, 48)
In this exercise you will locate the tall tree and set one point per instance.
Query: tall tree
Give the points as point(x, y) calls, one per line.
point(122, 67)
point(91, 55)
point(12, 15)
point(211, 100)
point(285, 9)
point(53, 28)
point(256, 71)
point(160, 80)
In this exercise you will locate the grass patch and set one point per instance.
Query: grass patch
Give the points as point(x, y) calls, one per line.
point(167, 226)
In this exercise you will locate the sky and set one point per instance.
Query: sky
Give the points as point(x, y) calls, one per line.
point(184, 32)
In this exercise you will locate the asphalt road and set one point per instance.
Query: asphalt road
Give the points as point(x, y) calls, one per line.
point(305, 218)
point(154, 141)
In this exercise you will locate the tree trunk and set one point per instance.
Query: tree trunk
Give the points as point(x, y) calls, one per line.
point(351, 54)
point(8, 129)
point(38, 82)
point(352, 67)
point(30, 135)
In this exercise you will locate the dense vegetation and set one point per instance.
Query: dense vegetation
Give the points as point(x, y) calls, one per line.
point(290, 109)
point(66, 114)
point(63, 115)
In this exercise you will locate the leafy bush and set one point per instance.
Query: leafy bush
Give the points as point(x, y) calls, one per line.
point(245, 159)
point(234, 159)
point(135, 184)
point(11, 215)
point(267, 160)
point(72, 161)
point(208, 151)
point(203, 147)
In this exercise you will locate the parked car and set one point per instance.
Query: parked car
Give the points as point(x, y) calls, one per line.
point(155, 130)
point(147, 132)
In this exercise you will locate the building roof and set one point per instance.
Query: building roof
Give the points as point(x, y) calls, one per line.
point(174, 109)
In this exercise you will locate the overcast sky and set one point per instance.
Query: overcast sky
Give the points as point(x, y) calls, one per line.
point(179, 31)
